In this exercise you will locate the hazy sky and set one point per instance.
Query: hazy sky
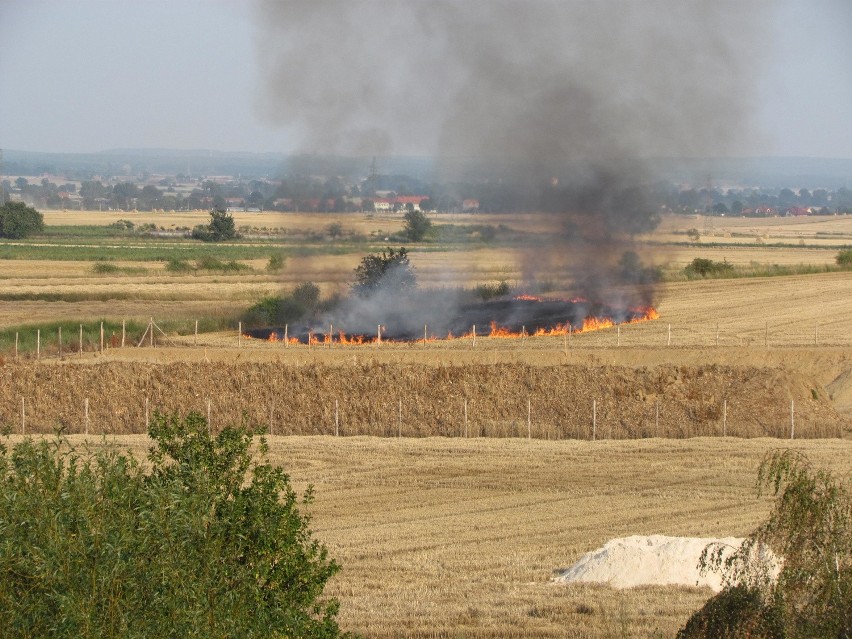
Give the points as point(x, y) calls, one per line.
point(84, 76)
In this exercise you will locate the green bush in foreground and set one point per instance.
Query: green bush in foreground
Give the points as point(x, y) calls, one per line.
point(204, 543)
point(810, 528)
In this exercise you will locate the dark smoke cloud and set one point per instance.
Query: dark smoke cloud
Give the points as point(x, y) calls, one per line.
point(568, 97)
point(548, 83)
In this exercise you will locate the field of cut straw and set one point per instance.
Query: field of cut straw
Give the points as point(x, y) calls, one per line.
point(459, 538)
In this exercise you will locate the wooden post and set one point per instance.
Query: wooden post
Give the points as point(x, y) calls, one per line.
point(102, 335)
point(473, 330)
point(465, 417)
point(792, 419)
point(399, 422)
point(286, 338)
point(594, 420)
point(16, 345)
point(86, 412)
point(195, 341)
point(378, 333)
point(239, 334)
point(669, 339)
point(60, 342)
point(565, 343)
point(657, 418)
point(23, 417)
point(725, 418)
point(618, 335)
point(529, 418)
point(123, 332)
point(81, 340)
point(38, 343)
point(424, 335)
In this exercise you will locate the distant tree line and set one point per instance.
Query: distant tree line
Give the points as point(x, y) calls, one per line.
point(338, 195)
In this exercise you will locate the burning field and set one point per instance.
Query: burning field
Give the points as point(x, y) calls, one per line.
point(517, 317)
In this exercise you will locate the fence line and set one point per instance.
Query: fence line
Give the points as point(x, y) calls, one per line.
point(638, 335)
point(604, 420)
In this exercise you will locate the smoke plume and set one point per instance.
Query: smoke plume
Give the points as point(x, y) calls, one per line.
point(566, 100)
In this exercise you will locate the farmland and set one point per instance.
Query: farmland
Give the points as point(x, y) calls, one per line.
point(454, 528)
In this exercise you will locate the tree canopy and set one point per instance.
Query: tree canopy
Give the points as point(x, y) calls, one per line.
point(17, 220)
point(416, 225)
point(221, 227)
point(388, 271)
point(205, 543)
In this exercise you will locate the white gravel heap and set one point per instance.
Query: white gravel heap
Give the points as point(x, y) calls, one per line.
point(643, 561)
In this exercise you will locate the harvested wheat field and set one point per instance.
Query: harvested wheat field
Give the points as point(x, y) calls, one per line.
point(443, 537)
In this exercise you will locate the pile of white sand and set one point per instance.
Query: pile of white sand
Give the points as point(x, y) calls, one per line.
point(642, 561)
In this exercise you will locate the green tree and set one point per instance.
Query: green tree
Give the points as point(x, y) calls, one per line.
point(810, 529)
point(221, 227)
point(416, 225)
point(386, 271)
point(207, 542)
point(844, 258)
point(17, 220)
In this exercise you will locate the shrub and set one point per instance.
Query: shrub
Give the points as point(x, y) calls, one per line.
point(388, 271)
point(810, 528)
point(104, 267)
point(17, 220)
point(275, 263)
point(844, 258)
point(221, 227)
point(175, 265)
point(701, 267)
point(416, 225)
point(208, 542)
point(491, 291)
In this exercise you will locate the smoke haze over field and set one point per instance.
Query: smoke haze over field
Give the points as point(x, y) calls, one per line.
point(545, 83)
point(566, 97)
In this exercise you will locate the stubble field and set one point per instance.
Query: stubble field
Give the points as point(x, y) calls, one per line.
point(455, 536)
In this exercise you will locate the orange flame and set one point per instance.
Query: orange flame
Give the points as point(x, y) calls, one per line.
point(642, 314)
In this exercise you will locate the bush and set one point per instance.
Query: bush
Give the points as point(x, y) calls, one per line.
point(290, 308)
point(416, 225)
point(810, 528)
point(17, 221)
point(275, 263)
point(208, 542)
point(220, 228)
point(844, 258)
point(733, 613)
point(701, 267)
point(388, 271)
point(175, 265)
point(491, 291)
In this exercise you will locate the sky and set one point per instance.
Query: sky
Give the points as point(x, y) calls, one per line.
point(88, 76)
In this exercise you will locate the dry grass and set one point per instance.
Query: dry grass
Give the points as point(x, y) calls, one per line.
point(459, 538)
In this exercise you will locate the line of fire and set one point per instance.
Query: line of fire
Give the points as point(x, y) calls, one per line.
point(515, 318)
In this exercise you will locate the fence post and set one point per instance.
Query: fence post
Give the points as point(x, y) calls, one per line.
point(38, 343)
point(16, 345)
point(123, 332)
point(669, 339)
point(529, 418)
point(102, 336)
point(594, 420)
point(60, 342)
point(725, 418)
point(792, 419)
point(81, 340)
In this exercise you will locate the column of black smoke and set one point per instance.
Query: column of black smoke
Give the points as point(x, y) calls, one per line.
point(571, 99)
